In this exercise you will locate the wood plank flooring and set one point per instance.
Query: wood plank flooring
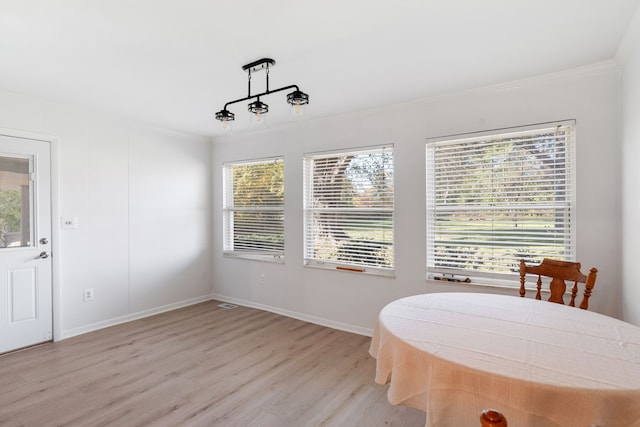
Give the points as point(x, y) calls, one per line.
point(200, 366)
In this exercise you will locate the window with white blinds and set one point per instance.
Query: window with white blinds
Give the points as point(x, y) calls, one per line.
point(348, 210)
point(494, 199)
point(253, 208)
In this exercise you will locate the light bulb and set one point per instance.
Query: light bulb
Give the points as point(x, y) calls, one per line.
point(298, 111)
point(298, 101)
point(227, 126)
point(257, 120)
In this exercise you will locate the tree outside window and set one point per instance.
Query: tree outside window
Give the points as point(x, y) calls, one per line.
point(495, 199)
point(349, 210)
point(254, 209)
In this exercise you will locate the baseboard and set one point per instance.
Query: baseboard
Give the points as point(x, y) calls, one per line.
point(157, 310)
point(130, 317)
point(296, 315)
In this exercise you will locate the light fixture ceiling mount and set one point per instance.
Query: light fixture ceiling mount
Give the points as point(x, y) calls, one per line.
point(297, 99)
point(260, 64)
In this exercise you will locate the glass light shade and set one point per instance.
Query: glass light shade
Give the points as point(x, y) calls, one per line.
point(298, 101)
point(226, 118)
point(257, 119)
point(298, 111)
point(226, 126)
point(259, 110)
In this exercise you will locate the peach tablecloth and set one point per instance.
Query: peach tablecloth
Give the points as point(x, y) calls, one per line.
point(542, 364)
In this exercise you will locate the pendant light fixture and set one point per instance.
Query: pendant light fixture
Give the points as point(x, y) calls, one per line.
point(296, 99)
point(259, 109)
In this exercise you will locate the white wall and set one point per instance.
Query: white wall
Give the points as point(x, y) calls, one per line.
point(629, 54)
point(352, 301)
point(143, 200)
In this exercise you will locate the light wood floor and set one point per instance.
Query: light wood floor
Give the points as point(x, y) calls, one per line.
point(200, 366)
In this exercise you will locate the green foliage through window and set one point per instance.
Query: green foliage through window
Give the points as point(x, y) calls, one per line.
point(10, 210)
point(492, 200)
point(254, 209)
point(349, 209)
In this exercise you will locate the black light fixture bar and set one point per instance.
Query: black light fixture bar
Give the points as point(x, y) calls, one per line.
point(268, 92)
point(295, 98)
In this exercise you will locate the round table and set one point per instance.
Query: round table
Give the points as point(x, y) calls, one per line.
point(539, 363)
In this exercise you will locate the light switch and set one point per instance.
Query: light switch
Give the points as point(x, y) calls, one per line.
point(69, 223)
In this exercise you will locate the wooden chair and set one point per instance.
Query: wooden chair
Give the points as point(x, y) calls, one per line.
point(559, 271)
point(492, 418)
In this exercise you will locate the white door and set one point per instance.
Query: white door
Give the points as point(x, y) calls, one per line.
point(25, 242)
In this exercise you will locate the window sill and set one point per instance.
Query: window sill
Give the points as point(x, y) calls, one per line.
point(487, 284)
point(277, 259)
point(356, 269)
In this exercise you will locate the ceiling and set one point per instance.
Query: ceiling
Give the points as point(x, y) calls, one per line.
point(173, 64)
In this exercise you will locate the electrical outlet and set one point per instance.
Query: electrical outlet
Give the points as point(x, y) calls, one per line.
point(262, 279)
point(87, 295)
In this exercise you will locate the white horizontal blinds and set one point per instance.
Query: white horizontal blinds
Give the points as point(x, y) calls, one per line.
point(493, 200)
point(254, 208)
point(349, 209)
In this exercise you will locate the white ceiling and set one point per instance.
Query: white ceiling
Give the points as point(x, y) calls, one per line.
point(173, 64)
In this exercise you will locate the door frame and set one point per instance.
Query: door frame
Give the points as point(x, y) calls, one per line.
point(56, 294)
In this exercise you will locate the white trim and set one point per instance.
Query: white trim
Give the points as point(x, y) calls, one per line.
point(346, 151)
point(349, 268)
point(500, 132)
point(277, 259)
point(367, 332)
point(16, 133)
point(55, 239)
point(132, 316)
point(250, 162)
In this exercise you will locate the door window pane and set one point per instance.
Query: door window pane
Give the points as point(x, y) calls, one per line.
point(15, 190)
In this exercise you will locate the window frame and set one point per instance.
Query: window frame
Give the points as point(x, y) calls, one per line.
point(229, 211)
point(501, 279)
point(386, 244)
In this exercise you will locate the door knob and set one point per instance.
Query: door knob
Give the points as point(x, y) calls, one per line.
point(43, 255)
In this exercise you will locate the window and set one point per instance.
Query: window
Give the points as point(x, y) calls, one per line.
point(254, 209)
point(348, 210)
point(496, 198)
